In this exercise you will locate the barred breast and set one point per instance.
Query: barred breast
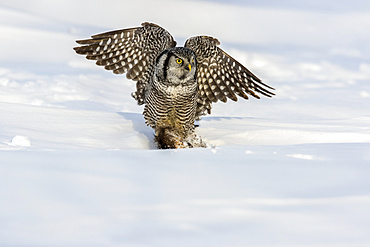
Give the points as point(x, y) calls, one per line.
point(171, 110)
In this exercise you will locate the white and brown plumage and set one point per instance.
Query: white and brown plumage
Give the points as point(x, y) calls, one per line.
point(176, 84)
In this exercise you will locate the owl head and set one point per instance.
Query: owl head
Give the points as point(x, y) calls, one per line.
point(176, 66)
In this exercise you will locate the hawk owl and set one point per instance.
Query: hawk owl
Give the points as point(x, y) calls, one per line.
point(177, 84)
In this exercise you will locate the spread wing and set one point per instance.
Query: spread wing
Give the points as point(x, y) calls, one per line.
point(220, 76)
point(132, 51)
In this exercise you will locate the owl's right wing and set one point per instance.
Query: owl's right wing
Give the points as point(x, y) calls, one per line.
point(132, 50)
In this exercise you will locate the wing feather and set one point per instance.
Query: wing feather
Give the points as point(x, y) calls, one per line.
point(220, 76)
point(132, 51)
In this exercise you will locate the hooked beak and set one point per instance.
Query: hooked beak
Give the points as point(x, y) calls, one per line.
point(189, 67)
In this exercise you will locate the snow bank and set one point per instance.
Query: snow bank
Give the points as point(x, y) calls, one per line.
point(268, 196)
point(63, 129)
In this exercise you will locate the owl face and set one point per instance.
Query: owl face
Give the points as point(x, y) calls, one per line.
point(176, 66)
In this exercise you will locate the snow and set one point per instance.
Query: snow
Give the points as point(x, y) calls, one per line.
point(23, 141)
point(78, 166)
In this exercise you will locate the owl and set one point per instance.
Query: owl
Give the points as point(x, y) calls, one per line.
point(177, 85)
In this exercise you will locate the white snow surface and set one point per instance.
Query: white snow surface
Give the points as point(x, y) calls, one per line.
point(78, 166)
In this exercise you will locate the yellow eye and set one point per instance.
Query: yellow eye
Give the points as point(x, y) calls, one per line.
point(179, 61)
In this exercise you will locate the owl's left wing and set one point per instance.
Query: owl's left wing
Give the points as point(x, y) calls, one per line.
point(132, 51)
point(220, 76)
